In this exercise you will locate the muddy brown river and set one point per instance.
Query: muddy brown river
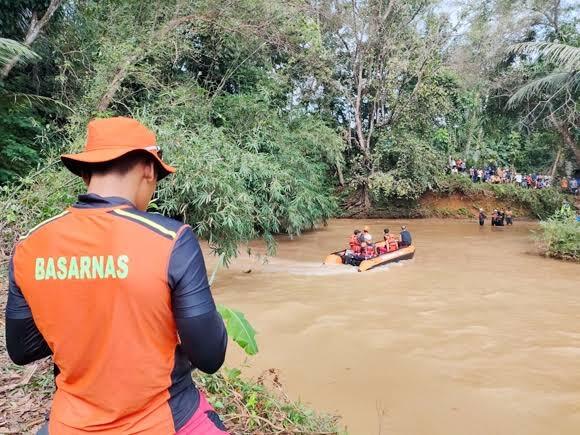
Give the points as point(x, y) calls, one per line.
point(475, 335)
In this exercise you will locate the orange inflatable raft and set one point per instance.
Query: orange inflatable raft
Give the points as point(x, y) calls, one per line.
point(405, 253)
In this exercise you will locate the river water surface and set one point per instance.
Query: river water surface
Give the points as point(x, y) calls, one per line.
point(476, 335)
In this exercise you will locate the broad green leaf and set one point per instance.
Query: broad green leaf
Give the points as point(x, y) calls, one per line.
point(239, 329)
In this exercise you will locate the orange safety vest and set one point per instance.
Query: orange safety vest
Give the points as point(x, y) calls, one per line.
point(354, 244)
point(102, 301)
point(369, 251)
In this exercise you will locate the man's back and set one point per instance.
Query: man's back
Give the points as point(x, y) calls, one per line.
point(406, 239)
point(100, 281)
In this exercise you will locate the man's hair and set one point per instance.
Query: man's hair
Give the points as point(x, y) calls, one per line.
point(386, 230)
point(356, 232)
point(121, 165)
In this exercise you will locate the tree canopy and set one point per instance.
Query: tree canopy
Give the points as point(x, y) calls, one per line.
point(278, 112)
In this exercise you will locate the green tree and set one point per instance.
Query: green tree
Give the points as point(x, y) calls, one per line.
point(386, 55)
point(554, 94)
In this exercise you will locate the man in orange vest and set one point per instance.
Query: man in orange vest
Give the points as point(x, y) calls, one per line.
point(354, 242)
point(119, 297)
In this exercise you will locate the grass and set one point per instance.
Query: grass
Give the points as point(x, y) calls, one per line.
point(446, 212)
point(249, 407)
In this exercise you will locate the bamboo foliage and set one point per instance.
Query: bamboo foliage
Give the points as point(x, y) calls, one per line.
point(10, 49)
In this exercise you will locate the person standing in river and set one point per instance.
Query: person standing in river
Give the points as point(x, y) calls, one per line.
point(509, 216)
point(119, 297)
point(482, 217)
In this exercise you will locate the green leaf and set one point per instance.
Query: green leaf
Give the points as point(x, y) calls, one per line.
point(10, 49)
point(239, 329)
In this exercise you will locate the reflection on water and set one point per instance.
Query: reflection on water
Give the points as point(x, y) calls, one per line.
point(476, 335)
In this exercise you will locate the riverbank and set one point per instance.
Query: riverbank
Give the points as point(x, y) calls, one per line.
point(460, 198)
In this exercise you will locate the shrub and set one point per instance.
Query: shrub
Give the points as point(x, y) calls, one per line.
point(560, 235)
point(37, 197)
point(249, 407)
point(406, 167)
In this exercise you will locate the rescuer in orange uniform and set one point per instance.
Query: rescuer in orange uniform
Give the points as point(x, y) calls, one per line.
point(354, 242)
point(119, 297)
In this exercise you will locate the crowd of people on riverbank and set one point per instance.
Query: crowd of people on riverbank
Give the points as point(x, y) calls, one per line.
point(500, 175)
point(361, 246)
point(499, 218)
point(504, 175)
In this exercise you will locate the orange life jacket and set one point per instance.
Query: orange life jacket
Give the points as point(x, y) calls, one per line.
point(393, 244)
point(369, 251)
point(354, 244)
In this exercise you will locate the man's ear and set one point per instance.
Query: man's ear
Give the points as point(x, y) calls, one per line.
point(86, 178)
point(150, 171)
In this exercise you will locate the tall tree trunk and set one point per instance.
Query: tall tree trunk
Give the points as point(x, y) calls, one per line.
point(340, 175)
point(567, 137)
point(362, 141)
point(33, 31)
point(556, 161)
point(366, 198)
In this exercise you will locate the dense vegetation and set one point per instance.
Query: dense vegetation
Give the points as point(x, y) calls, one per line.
point(261, 407)
point(270, 107)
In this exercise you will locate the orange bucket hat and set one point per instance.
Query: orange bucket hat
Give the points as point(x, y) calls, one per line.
point(111, 138)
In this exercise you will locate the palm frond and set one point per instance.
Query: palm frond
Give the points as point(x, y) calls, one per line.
point(552, 83)
point(564, 56)
point(10, 48)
